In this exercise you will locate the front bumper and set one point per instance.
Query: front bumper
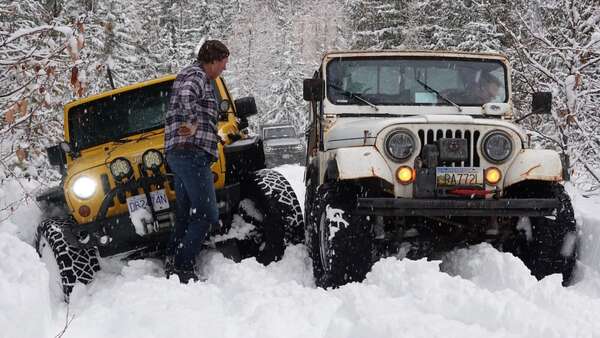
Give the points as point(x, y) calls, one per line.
point(284, 157)
point(454, 207)
point(116, 234)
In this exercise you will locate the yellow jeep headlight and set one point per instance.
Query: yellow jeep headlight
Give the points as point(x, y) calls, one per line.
point(84, 187)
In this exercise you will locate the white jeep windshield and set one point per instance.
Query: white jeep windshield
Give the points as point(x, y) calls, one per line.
point(415, 81)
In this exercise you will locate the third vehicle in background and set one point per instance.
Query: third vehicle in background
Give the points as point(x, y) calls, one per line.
point(282, 145)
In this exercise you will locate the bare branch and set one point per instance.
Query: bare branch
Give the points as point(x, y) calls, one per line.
point(18, 89)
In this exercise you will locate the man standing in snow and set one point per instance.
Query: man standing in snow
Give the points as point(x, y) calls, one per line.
point(191, 148)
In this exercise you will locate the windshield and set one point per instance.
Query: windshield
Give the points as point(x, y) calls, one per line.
point(280, 132)
point(409, 81)
point(119, 115)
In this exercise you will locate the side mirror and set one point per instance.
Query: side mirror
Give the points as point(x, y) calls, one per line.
point(245, 107)
point(313, 89)
point(57, 155)
point(541, 103)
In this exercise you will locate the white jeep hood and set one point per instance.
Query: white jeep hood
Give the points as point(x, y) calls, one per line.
point(366, 129)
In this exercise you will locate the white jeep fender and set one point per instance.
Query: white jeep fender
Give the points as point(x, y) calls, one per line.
point(361, 162)
point(534, 164)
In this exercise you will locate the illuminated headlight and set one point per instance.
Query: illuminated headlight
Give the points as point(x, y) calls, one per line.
point(268, 149)
point(399, 145)
point(84, 187)
point(497, 146)
point(120, 168)
point(152, 159)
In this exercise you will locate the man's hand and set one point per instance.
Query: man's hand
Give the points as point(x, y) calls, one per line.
point(187, 129)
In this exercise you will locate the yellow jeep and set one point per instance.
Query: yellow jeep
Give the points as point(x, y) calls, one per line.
point(117, 196)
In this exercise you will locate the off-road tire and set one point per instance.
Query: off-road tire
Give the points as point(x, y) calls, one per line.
point(282, 222)
point(75, 265)
point(346, 256)
point(550, 239)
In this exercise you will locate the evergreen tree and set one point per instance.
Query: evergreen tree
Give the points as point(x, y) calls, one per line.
point(376, 24)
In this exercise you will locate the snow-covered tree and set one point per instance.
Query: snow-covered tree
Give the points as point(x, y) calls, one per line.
point(558, 46)
point(376, 24)
point(39, 56)
point(461, 25)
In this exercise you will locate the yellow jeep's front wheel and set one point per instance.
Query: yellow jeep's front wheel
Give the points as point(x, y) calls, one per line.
point(67, 265)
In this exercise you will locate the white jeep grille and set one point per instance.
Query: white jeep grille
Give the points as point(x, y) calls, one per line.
point(430, 136)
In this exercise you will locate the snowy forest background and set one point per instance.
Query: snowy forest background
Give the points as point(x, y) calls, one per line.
point(53, 51)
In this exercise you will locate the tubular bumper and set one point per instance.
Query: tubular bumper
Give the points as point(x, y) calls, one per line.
point(448, 207)
point(116, 234)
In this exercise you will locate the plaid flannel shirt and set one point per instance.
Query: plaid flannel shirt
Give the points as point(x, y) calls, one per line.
point(192, 104)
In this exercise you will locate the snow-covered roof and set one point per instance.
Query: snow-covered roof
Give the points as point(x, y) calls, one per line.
point(428, 53)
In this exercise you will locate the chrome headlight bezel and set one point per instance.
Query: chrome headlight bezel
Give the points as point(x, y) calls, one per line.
point(84, 187)
point(152, 159)
point(401, 135)
point(120, 168)
point(268, 149)
point(492, 139)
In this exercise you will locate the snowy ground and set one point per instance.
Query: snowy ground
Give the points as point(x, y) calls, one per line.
point(480, 293)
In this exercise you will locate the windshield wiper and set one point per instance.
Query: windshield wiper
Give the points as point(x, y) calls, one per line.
point(439, 95)
point(355, 96)
point(144, 135)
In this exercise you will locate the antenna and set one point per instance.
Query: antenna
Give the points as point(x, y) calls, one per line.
point(110, 78)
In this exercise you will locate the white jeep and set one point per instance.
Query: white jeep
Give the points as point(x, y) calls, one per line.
point(414, 153)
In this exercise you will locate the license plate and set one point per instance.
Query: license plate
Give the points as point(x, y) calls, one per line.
point(159, 201)
point(286, 156)
point(459, 176)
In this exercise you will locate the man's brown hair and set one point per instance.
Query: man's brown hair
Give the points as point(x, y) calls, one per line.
point(212, 50)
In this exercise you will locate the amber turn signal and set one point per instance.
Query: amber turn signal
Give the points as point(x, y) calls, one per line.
point(84, 211)
point(405, 175)
point(493, 175)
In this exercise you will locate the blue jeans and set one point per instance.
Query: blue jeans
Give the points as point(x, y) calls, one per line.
point(196, 205)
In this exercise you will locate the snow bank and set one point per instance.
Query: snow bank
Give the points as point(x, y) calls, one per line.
point(474, 292)
point(295, 174)
point(238, 299)
point(588, 221)
point(24, 296)
point(17, 216)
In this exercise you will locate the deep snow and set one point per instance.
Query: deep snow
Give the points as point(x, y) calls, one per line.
point(479, 292)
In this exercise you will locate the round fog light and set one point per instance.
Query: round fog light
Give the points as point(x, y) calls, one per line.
point(493, 175)
point(405, 175)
